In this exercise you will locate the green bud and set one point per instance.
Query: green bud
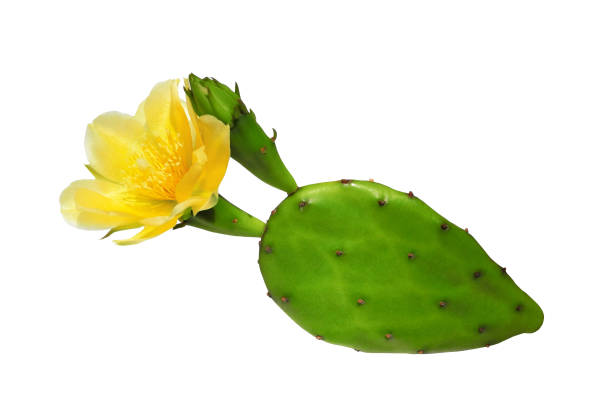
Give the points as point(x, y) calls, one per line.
point(210, 97)
point(249, 144)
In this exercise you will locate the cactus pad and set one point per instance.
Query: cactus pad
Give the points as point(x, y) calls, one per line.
point(362, 265)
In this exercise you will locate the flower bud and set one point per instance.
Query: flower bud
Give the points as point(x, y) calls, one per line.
point(209, 96)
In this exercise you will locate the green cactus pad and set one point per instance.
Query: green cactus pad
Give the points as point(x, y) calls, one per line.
point(359, 264)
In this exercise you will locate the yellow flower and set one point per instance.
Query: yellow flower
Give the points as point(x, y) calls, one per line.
point(149, 168)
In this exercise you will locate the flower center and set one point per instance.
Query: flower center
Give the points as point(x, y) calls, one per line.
point(158, 167)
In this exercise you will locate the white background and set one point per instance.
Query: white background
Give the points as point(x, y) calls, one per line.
point(497, 114)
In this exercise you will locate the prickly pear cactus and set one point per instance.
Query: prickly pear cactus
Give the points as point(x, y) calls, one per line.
point(358, 264)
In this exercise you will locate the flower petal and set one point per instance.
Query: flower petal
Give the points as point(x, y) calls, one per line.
point(185, 187)
point(216, 138)
point(100, 204)
point(196, 204)
point(209, 163)
point(113, 142)
point(90, 216)
point(148, 232)
point(166, 119)
point(195, 130)
point(121, 228)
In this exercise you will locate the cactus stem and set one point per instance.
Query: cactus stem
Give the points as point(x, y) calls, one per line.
point(410, 194)
point(382, 203)
point(284, 299)
point(357, 350)
point(268, 249)
point(444, 227)
point(345, 181)
point(381, 287)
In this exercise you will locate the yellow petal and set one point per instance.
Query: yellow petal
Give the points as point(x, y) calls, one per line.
point(113, 142)
point(196, 204)
point(121, 228)
point(97, 175)
point(140, 114)
point(205, 204)
point(78, 215)
point(209, 162)
point(216, 139)
point(184, 189)
point(196, 137)
point(166, 119)
point(149, 232)
point(100, 204)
